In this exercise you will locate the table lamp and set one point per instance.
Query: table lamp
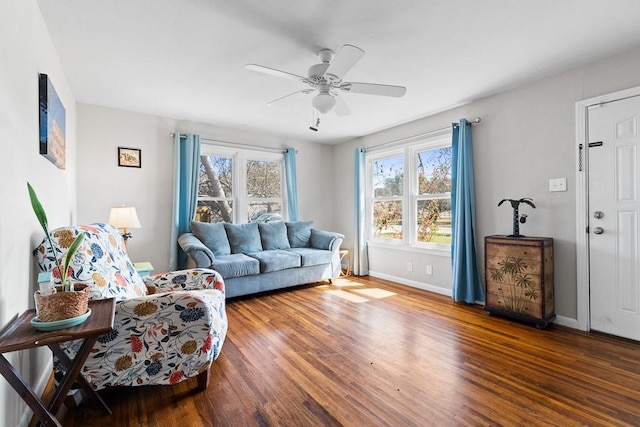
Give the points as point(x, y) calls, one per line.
point(124, 217)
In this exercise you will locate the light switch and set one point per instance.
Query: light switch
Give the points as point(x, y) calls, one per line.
point(558, 184)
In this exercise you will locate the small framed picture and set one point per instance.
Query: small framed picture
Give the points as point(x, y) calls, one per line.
point(129, 157)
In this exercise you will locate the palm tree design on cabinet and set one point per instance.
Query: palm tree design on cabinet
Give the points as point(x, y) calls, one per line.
point(516, 285)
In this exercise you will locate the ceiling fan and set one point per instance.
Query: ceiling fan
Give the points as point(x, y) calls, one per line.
point(326, 79)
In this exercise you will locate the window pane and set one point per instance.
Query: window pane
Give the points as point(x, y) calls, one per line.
point(264, 212)
point(215, 182)
point(434, 171)
point(388, 177)
point(215, 176)
point(434, 221)
point(214, 211)
point(263, 179)
point(387, 219)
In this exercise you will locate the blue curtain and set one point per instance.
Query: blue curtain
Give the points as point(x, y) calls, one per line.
point(360, 260)
point(466, 281)
point(292, 185)
point(185, 193)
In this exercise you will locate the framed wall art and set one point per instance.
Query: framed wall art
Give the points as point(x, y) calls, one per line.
point(129, 157)
point(52, 123)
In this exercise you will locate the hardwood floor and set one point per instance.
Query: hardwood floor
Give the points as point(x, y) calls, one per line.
point(367, 352)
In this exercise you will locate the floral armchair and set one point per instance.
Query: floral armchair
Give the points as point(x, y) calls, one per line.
point(168, 327)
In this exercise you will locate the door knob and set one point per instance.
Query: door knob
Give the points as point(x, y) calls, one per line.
point(598, 214)
point(598, 230)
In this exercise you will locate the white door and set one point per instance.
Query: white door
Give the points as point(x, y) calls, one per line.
point(614, 229)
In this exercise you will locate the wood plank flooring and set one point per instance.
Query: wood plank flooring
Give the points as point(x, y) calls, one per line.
point(368, 352)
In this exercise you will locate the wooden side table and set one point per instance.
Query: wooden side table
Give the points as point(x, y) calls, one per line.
point(346, 255)
point(21, 335)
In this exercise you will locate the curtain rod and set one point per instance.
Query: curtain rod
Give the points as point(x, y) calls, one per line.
point(431, 132)
point(240, 145)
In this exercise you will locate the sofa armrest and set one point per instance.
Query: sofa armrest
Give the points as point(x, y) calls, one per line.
point(327, 240)
point(194, 248)
point(158, 339)
point(184, 280)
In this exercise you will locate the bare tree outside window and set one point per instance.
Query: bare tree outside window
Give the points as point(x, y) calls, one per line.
point(215, 190)
point(259, 189)
point(388, 190)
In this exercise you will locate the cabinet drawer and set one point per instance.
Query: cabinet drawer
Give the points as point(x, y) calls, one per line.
point(527, 308)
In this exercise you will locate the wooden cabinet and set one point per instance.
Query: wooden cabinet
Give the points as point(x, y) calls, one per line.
point(519, 278)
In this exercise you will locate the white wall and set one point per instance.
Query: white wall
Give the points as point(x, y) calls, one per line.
point(102, 184)
point(526, 137)
point(25, 51)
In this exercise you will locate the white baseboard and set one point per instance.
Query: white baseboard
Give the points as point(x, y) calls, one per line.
point(566, 321)
point(412, 283)
point(559, 320)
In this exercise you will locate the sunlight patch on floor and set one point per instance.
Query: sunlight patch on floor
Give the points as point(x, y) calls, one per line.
point(340, 283)
point(376, 293)
point(349, 296)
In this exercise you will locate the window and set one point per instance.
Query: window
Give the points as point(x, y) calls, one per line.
point(240, 186)
point(388, 191)
point(433, 198)
point(415, 211)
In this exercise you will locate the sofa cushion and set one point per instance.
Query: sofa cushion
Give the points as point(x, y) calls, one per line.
point(213, 236)
point(273, 235)
point(311, 256)
point(243, 238)
point(299, 233)
point(236, 265)
point(275, 260)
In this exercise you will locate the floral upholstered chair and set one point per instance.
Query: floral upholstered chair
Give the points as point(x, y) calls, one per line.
point(168, 327)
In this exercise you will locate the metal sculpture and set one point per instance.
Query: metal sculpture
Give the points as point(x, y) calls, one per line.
point(517, 218)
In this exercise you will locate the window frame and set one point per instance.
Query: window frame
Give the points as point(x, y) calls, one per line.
point(239, 158)
point(409, 151)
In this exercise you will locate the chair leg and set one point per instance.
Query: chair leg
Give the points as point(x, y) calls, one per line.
point(203, 380)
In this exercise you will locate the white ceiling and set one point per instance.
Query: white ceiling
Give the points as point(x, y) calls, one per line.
point(185, 59)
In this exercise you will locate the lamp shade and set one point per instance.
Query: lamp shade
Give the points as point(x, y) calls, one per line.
point(124, 217)
point(323, 102)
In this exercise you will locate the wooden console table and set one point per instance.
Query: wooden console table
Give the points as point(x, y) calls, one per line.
point(21, 335)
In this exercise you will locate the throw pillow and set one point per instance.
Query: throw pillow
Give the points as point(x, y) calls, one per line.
point(299, 233)
point(212, 236)
point(273, 235)
point(243, 238)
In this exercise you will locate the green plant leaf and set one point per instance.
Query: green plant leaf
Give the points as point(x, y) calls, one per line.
point(68, 257)
point(42, 219)
point(38, 209)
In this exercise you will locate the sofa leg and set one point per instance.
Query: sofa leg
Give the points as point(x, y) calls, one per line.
point(203, 380)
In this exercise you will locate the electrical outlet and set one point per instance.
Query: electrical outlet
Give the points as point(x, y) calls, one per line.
point(558, 184)
point(409, 266)
point(429, 269)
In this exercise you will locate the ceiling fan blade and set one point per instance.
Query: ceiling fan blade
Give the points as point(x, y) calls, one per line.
point(291, 94)
point(374, 89)
point(274, 72)
point(345, 60)
point(341, 108)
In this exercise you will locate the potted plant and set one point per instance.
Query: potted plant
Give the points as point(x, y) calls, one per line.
point(67, 303)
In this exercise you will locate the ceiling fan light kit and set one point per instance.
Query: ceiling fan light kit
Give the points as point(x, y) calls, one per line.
point(323, 102)
point(326, 78)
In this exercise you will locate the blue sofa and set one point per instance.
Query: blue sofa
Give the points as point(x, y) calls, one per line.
point(259, 257)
